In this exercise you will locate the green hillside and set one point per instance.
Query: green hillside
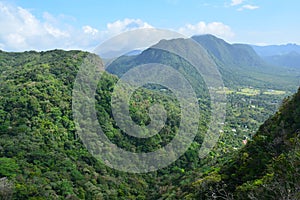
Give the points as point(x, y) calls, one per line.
point(42, 157)
point(238, 64)
point(241, 65)
point(266, 168)
point(231, 55)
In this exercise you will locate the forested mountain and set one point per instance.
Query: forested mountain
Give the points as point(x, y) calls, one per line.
point(42, 157)
point(231, 55)
point(238, 64)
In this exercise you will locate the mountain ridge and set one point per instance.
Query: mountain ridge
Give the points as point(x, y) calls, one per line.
point(238, 63)
point(227, 53)
point(271, 50)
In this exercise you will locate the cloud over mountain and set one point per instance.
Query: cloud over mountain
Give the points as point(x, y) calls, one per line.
point(215, 28)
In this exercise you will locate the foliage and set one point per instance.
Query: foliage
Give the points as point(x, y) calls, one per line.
point(41, 156)
point(267, 167)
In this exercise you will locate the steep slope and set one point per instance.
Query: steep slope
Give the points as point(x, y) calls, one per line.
point(241, 55)
point(266, 168)
point(157, 55)
point(41, 156)
point(241, 62)
point(265, 159)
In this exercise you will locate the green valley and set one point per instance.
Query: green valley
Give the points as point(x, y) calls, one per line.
point(42, 156)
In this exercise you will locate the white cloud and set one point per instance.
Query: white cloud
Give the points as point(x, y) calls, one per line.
point(89, 30)
point(24, 31)
point(215, 28)
point(243, 7)
point(236, 2)
point(21, 30)
point(126, 25)
point(55, 32)
point(248, 7)
point(15, 40)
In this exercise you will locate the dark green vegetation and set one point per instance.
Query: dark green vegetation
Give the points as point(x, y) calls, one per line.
point(266, 168)
point(238, 63)
point(40, 152)
point(41, 156)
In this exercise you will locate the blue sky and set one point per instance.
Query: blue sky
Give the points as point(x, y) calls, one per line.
point(78, 24)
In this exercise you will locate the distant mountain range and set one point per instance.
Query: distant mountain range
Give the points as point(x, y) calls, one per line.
point(281, 55)
point(291, 59)
point(272, 50)
point(239, 64)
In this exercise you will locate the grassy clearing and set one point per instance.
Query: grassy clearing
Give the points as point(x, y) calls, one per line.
point(227, 91)
point(251, 91)
point(248, 91)
point(274, 92)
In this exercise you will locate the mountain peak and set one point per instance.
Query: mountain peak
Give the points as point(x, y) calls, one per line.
point(208, 37)
point(241, 55)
